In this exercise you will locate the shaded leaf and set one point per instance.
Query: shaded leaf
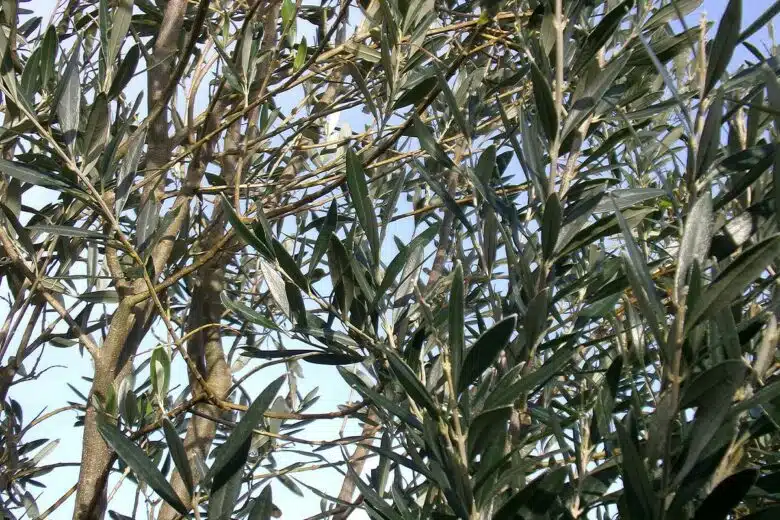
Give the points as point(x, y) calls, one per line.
point(382, 402)
point(452, 103)
point(34, 176)
point(126, 172)
point(148, 218)
point(700, 388)
point(97, 129)
point(726, 496)
point(448, 200)
point(545, 105)
point(137, 460)
point(289, 266)
point(638, 490)
point(517, 381)
point(606, 28)
point(400, 262)
point(709, 141)
point(537, 497)
point(724, 44)
point(125, 72)
point(69, 106)
point(227, 483)
point(730, 283)
point(413, 387)
point(310, 355)
point(485, 351)
point(262, 506)
point(249, 238)
point(551, 225)
point(695, 242)
point(236, 447)
point(712, 410)
point(364, 208)
point(178, 454)
point(589, 94)
point(429, 144)
point(457, 340)
point(106, 296)
point(247, 313)
point(323, 236)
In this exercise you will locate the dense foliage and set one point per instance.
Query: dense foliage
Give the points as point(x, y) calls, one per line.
point(537, 238)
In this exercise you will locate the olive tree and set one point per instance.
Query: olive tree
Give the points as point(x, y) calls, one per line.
point(535, 241)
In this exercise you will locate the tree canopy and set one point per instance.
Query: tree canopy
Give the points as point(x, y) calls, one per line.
point(535, 242)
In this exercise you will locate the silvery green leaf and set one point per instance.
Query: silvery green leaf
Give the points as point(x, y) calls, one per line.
point(69, 106)
point(126, 172)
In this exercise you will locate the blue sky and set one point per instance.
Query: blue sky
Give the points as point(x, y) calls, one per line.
point(51, 391)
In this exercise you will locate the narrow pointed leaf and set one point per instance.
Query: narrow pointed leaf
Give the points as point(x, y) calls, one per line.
point(401, 260)
point(34, 176)
point(638, 489)
point(69, 106)
point(123, 14)
point(727, 495)
point(627, 198)
point(97, 127)
point(712, 410)
point(244, 232)
point(247, 313)
point(485, 351)
point(148, 218)
point(380, 400)
point(709, 142)
point(137, 460)
point(638, 265)
point(545, 105)
point(457, 341)
point(227, 483)
point(730, 283)
point(551, 225)
point(242, 433)
point(696, 240)
point(429, 144)
point(599, 35)
point(538, 496)
point(724, 44)
point(125, 72)
point(411, 384)
point(668, 12)
point(323, 236)
point(276, 286)
point(448, 200)
point(455, 110)
point(288, 265)
point(263, 506)
point(760, 22)
point(178, 454)
point(516, 382)
point(358, 188)
point(126, 173)
point(587, 97)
